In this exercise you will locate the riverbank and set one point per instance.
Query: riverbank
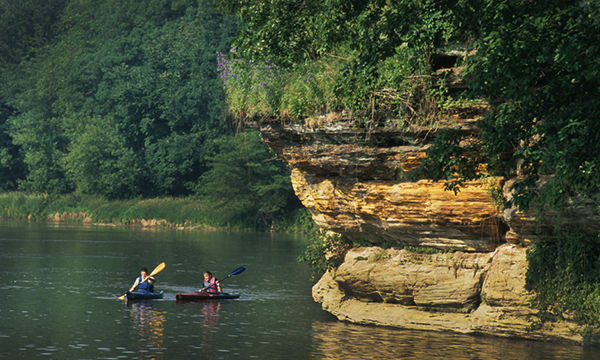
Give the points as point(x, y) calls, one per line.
point(188, 213)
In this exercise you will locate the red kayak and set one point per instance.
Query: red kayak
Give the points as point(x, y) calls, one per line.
point(200, 296)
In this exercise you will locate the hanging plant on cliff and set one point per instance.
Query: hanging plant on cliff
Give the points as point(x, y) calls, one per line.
point(325, 251)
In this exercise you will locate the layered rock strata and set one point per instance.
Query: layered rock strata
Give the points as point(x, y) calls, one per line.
point(480, 293)
point(359, 183)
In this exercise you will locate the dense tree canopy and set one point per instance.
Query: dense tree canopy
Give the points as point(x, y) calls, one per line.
point(539, 65)
point(147, 69)
point(258, 186)
point(122, 99)
point(346, 52)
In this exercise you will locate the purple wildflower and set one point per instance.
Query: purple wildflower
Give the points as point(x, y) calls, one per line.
point(307, 78)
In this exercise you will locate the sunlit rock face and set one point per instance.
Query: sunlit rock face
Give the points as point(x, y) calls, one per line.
point(358, 183)
point(480, 293)
point(448, 282)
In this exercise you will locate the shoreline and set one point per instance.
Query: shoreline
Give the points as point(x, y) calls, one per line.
point(184, 214)
point(139, 224)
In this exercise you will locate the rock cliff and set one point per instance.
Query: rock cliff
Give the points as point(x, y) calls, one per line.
point(357, 182)
point(461, 292)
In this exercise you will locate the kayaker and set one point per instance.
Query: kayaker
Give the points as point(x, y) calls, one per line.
point(211, 284)
point(140, 284)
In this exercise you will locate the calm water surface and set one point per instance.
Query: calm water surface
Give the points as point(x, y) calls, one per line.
point(59, 287)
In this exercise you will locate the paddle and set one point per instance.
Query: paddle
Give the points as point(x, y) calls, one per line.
point(156, 270)
point(237, 271)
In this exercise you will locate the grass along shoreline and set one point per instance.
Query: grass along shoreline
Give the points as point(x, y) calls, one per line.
point(188, 213)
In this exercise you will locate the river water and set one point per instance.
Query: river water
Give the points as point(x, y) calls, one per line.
point(60, 283)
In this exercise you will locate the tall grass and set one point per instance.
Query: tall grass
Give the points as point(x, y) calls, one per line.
point(191, 212)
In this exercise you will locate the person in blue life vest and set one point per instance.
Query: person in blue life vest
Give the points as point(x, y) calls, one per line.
point(143, 282)
point(211, 284)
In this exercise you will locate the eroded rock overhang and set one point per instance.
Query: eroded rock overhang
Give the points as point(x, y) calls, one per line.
point(359, 183)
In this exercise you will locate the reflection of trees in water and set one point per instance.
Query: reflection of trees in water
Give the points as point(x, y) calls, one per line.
point(150, 324)
point(339, 340)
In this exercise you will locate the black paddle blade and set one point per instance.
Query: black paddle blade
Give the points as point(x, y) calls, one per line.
point(239, 270)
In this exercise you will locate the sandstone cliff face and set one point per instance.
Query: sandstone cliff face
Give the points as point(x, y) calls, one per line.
point(467, 293)
point(358, 183)
point(449, 282)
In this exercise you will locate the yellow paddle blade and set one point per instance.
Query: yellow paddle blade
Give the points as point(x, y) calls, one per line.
point(157, 269)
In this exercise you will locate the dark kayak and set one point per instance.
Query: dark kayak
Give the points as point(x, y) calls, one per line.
point(144, 295)
point(199, 296)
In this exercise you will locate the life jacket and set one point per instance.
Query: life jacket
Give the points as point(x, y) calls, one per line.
point(144, 285)
point(211, 285)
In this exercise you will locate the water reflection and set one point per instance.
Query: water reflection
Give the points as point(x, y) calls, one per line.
point(205, 315)
point(150, 324)
point(210, 311)
point(339, 340)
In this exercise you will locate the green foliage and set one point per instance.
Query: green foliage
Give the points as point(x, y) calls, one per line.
point(565, 274)
point(120, 100)
point(25, 26)
point(263, 89)
point(539, 65)
point(99, 161)
point(11, 162)
point(450, 161)
point(360, 56)
point(245, 183)
point(310, 88)
point(44, 146)
point(180, 211)
point(283, 31)
point(189, 211)
point(176, 160)
point(22, 206)
point(144, 71)
point(252, 88)
point(298, 220)
point(324, 252)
